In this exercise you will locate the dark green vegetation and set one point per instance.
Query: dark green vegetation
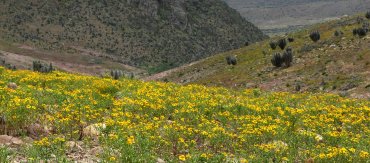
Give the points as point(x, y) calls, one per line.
point(231, 60)
point(116, 74)
point(315, 36)
point(9, 66)
point(42, 67)
point(277, 60)
point(334, 63)
point(149, 34)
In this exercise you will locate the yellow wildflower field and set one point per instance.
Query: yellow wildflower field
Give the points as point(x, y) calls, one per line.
point(151, 121)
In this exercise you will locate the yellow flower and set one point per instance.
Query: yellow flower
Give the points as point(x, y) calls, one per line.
point(113, 136)
point(182, 157)
point(112, 158)
point(131, 140)
point(243, 160)
point(364, 154)
point(322, 155)
point(181, 140)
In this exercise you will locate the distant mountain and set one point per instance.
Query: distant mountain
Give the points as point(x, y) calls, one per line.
point(284, 15)
point(151, 34)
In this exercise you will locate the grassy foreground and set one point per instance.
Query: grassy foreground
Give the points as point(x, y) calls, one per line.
point(152, 121)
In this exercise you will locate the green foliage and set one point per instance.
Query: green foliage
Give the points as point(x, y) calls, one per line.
point(360, 32)
point(315, 36)
point(273, 45)
point(116, 74)
point(287, 58)
point(231, 60)
point(367, 15)
point(5, 154)
point(277, 60)
point(42, 67)
point(282, 43)
point(7, 65)
point(338, 33)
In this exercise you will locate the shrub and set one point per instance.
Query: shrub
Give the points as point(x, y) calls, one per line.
point(289, 49)
point(273, 45)
point(282, 43)
point(338, 33)
point(366, 26)
point(367, 15)
point(7, 65)
point(277, 60)
point(315, 36)
point(42, 67)
point(290, 39)
point(361, 32)
point(288, 58)
point(354, 32)
point(231, 60)
point(116, 74)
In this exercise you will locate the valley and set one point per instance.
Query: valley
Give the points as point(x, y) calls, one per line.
point(282, 16)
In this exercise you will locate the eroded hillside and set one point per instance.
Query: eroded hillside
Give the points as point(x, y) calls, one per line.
point(148, 34)
point(338, 64)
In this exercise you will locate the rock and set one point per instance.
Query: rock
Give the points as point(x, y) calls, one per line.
point(12, 86)
point(74, 146)
point(332, 46)
point(159, 160)
point(93, 131)
point(310, 160)
point(27, 140)
point(170, 122)
point(10, 140)
point(279, 145)
point(96, 151)
point(348, 86)
point(319, 138)
point(343, 94)
point(36, 131)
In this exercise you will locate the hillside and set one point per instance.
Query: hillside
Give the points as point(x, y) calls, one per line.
point(337, 64)
point(281, 16)
point(144, 34)
point(60, 117)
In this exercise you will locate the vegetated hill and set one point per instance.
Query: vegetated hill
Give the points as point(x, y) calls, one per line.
point(280, 16)
point(339, 64)
point(63, 117)
point(149, 34)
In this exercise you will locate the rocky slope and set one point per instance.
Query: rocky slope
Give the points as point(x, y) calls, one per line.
point(151, 34)
point(335, 64)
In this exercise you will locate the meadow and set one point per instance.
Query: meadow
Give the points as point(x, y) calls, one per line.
point(155, 122)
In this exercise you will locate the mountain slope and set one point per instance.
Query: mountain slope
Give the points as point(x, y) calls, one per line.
point(63, 117)
point(334, 64)
point(150, 34)
point(284, 15)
